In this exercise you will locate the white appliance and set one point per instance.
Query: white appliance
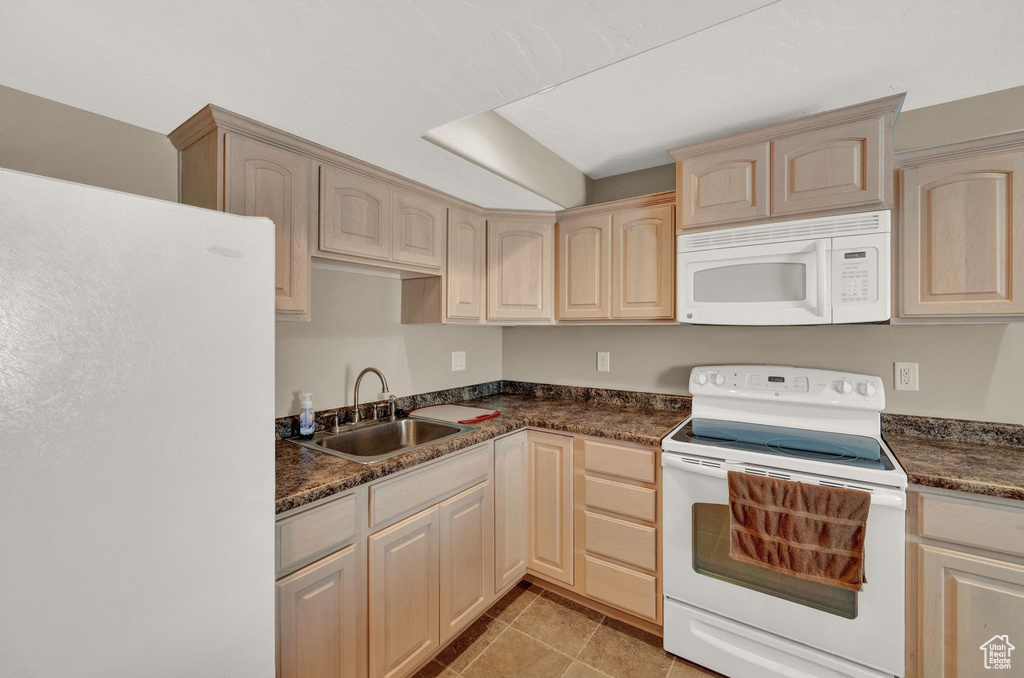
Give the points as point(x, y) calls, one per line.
point(808, 272)
point(136, 435)
point(812, 426)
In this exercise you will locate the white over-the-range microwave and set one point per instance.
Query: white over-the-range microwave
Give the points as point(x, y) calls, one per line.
point(822, 271)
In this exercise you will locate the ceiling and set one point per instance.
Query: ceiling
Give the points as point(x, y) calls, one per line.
point(791, 59)
point(371, 78)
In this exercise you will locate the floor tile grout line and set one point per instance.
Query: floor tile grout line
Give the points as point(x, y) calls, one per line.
point(493, 640)
point(590, 637)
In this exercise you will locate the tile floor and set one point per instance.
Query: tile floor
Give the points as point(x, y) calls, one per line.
point(533, 633)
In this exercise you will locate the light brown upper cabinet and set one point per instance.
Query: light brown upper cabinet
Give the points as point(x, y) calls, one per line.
point(265, 181)
point(731, 184)
point(520, 268)
point(616, 260)
point(643, 263)
point(365, 218)
point(355, 214)
point(828, 163)
point(962, 222)
point(841, 166)
point(418, 229)
point(584, 267)
point(223, 168)
point(467, 266)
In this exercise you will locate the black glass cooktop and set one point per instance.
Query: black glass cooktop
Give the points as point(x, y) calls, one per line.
point(833, 448)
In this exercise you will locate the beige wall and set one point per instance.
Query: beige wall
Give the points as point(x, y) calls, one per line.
point(355, 325)
point(640, 182)
point(44, 137)
point(966, 371)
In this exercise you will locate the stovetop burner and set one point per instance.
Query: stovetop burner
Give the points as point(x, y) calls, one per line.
point(822, 446)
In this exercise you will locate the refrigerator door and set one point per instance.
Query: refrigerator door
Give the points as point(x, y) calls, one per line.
point(136, 435)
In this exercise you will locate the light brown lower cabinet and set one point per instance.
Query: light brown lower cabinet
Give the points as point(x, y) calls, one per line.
point(402, 565)
point(404, 578)
point(965, 585)
point(618, 523)
point(550, 506)
point(511, 475)
point(318, 611)
point(466, 558)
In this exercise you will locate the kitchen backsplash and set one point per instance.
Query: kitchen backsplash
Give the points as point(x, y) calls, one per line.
point(896, 424)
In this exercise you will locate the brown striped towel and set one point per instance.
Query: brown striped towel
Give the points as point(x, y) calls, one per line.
point(807, 531)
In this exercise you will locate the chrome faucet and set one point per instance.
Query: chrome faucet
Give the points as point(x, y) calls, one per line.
point(384, 384)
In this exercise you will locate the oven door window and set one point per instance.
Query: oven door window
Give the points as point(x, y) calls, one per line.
point(711, 558)
point(752, 283)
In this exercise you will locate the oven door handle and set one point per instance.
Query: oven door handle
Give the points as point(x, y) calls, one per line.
point(879, 497)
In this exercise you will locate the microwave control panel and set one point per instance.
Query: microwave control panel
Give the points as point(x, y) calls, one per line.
point(856, 275)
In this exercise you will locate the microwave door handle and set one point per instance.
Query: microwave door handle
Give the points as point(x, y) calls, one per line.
point(821, 251)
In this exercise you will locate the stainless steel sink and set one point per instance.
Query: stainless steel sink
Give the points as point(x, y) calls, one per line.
point(368, 442)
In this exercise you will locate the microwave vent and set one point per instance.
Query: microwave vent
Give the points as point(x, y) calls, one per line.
point(785, 231)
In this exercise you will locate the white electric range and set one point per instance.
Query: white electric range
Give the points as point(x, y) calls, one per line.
point(806, 425)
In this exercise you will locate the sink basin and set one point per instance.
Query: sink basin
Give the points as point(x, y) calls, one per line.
point(373, 441)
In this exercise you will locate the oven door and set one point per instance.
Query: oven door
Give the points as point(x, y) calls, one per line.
point(866, 627)
point(773, 284)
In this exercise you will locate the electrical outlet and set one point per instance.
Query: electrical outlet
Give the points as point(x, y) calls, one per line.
point(904, 376)
point(604, 361)
point(458, 361)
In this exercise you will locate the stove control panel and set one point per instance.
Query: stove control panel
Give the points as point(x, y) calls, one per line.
point(792, 384)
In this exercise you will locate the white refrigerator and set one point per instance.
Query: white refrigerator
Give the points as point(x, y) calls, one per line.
point(136, 436)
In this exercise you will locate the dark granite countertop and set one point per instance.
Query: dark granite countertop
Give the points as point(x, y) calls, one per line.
point(976, 467)
point(304, 476)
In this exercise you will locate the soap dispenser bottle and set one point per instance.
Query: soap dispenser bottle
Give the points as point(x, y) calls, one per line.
point(307, 418)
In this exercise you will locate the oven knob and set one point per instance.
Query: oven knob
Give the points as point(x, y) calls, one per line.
point(701, 379)
point(717, 379)
point(844, 387)
point(866, 388)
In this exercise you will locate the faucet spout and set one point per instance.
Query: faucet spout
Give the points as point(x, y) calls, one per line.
point(355, 398)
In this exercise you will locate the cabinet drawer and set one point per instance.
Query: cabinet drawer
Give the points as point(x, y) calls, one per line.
point(622, 540)
point(635, 463)
point(971, 523)
point(629, 590)
point(628, 500)
point(395, 499)
point(304, 537)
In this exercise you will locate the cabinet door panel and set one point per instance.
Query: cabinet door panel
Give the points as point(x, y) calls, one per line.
point(724, 186)
point(961, 220)
point(467, 558)
point(643, 263)
point(520, 269)
point(584, 268)
point(355, 217)
point(511, 473)
point(966, 601)
point(550, 507)
point(467, 265)
point(266, 181)
point(833, 168)
point(419, 226)
point(404, 582)
point(318, 619)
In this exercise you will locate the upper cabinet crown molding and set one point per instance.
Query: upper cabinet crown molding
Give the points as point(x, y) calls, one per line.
point(651, 200)
point(811, 123)
point(1011, 141)
point(211, 118)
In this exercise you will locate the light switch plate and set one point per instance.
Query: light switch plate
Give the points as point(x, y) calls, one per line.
point(604, 361)
point(458, 361)
point(904, 376)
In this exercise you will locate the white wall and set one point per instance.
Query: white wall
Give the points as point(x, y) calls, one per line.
point(355, 325)
point(966, 371)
